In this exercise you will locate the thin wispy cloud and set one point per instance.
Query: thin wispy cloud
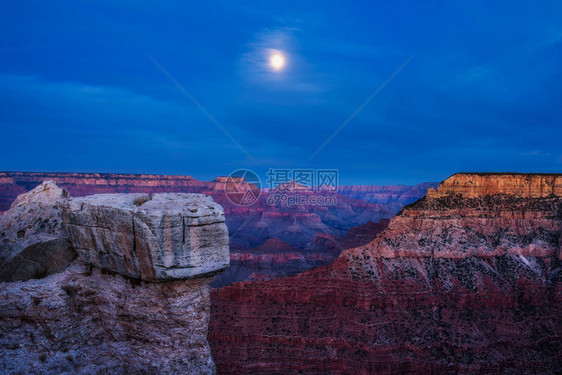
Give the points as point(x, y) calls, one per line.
point(296, 76)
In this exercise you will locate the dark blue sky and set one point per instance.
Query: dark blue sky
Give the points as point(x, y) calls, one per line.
point(483, 91)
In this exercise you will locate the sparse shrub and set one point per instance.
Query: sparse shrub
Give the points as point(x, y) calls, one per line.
point(139, 201)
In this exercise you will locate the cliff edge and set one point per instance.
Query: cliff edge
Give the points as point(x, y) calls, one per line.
point(522, 185)
point(482, 215)
point(135, 301)
point(466, 280)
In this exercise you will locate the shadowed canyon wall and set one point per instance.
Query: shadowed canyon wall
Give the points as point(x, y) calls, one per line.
point(463, 281)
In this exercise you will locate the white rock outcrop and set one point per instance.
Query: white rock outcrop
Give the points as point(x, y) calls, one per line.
point(158, 238)
point(149, 315)
point(33, 240)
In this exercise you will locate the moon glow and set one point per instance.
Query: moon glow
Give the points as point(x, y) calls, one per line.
point(277, 61)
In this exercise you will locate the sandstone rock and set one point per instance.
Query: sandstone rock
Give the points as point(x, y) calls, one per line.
point(523, 185)
point(44, 195)
point(36, 257)
point(33, 240)
point(396, 316)
point(275, 258)
point(164, 237)
point(272, 259)
point(87, 320)
point(477, 215)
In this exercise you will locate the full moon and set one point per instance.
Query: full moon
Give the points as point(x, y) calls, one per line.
point(277, 61)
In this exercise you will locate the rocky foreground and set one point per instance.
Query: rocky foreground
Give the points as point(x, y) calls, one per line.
point(467, 280)
point(134, 301)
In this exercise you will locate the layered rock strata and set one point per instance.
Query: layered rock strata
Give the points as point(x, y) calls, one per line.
point(275, 258)
point(522, 185)
point(485, 217)
point(457, 283)
point(392, 196)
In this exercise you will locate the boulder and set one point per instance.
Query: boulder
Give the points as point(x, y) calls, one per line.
point(151, 238)
point(36, 257)
point(45, 194)
point(33, 240)
point(96, 316)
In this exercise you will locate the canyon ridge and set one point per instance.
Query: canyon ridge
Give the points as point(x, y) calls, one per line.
point(466, 280)
point(302, 237)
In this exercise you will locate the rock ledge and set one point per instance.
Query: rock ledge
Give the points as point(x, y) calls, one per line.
point(152, 238)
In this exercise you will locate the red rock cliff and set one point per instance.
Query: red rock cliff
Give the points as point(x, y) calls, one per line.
point(477, 215)
point(523, 185)
point(455, 285)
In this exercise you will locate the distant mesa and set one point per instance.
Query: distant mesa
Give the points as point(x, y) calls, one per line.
point(473, 185)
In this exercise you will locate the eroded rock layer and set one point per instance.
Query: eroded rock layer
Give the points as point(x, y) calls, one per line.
point(523, 185)
point(392, 196)
point(275, 258)
point(456, 284)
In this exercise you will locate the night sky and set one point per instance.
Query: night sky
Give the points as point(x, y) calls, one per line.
point(464, 86)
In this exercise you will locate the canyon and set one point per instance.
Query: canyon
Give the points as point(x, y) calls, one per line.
point(315, 232)
point(466, 280)
point(392, 196)
point(275, 258)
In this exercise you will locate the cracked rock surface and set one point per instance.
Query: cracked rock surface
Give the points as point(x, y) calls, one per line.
point(158, 238)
